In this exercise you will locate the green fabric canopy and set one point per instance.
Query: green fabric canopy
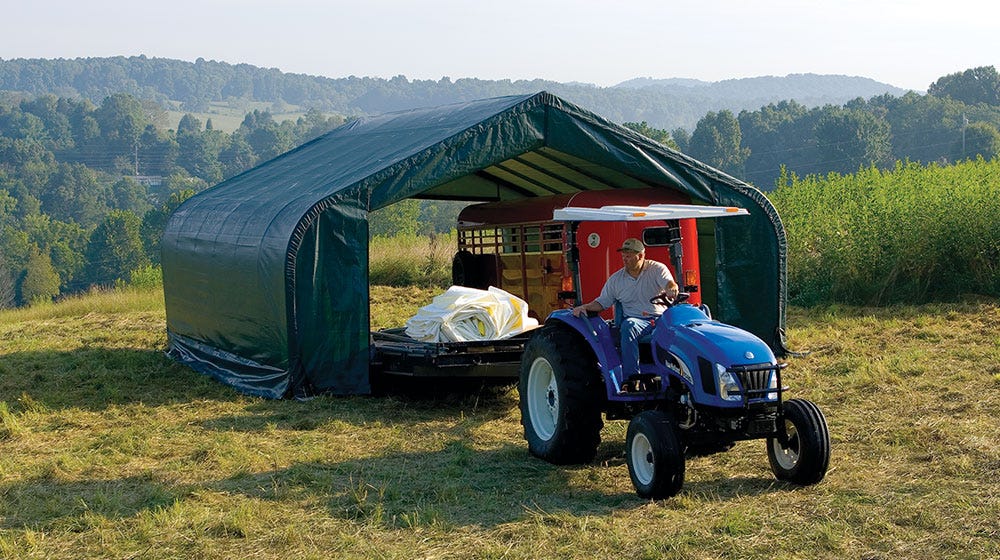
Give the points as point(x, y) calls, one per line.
point(265, 275)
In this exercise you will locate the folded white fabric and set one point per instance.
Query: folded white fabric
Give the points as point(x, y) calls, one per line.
point(464, 314)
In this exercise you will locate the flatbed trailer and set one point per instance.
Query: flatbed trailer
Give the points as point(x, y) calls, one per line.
point(395, 353)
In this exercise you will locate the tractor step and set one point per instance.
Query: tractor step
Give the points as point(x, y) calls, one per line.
point(641, 383)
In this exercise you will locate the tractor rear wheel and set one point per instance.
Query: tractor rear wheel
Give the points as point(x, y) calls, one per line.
point(561, 392)
point(804, 455)
point(654, 455)
point(463, 270)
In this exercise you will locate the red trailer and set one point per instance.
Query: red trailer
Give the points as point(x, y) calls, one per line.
point(518, 247)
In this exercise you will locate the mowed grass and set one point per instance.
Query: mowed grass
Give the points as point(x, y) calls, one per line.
point(110, 450)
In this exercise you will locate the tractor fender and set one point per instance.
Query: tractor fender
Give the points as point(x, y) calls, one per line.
point(598, 335)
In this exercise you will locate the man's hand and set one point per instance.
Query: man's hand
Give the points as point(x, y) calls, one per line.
point(670, 292)
point(582, 310)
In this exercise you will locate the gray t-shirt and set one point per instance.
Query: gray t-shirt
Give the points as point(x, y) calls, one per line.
point(634, 293)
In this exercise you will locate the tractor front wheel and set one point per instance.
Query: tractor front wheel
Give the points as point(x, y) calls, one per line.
point(804, 454)
point(654, 455)
point(560, 396)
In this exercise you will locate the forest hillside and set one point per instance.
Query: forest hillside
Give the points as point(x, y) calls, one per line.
point(86, 187)
point(196, 86)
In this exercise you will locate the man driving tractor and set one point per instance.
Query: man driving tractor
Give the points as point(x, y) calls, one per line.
point(632, 287)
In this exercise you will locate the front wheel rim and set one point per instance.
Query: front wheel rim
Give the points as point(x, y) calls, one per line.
point(787, 456)
point(543, 399)
point(643, 463)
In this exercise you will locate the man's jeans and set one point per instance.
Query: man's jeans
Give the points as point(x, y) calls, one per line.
point(632, 329)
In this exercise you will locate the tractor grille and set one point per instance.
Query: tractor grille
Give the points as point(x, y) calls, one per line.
point(756, 378)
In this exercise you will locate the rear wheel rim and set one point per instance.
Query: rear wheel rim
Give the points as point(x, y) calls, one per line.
point(643, 463)
point(543, 399)
point(787, 456)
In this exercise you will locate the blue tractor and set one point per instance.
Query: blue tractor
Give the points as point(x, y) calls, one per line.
point(703, 385)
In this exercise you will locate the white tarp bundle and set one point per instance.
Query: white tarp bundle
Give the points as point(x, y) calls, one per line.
point(464, 314)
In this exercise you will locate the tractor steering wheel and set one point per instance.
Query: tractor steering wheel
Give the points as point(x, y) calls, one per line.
point(664, 300)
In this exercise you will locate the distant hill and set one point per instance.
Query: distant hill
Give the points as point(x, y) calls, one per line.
point(192, 86)
point(804, 86)
point(638, 83)
point(792, 86)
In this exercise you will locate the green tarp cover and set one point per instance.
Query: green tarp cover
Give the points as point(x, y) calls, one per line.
point(265, 275)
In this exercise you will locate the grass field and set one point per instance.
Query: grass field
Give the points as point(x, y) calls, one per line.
point(228, 117)
point(110, 450)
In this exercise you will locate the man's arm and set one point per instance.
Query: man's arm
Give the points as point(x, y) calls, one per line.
point(592, 307)
point(607, 295)
point(671, 291)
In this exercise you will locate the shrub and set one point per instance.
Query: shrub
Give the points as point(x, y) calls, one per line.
point(907, 235)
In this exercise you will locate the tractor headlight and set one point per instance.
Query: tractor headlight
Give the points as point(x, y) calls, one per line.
point(729, 387)
point(773, 384)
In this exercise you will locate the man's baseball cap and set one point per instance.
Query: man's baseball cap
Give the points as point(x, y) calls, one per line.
point(633, 244)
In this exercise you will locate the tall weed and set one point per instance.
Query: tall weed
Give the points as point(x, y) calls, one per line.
point(907, 235)
point(411, 260)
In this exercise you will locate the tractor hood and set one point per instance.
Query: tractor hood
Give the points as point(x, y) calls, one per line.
point(718, 342)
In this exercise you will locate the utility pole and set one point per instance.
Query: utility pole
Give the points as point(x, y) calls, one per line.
point(965, 123)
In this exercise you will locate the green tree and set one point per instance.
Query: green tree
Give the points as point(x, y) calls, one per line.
point(8, 289)
point(396, 219)
point(717, 141)
point(128, 194)
point(90, 148)
point(58, 131)
point(115, 249)
point(314, 123)
point(924, 127)
point(682, 138)
point(63, 241)
point(975, 85)
point(20, 153)
point(776, 135)
point(23, 126)
point(264, 135)
point(188, 124)
point(122, 120)
point(199, 154)
point(8, 205)
point(848, 139)
point(439, 216)
point(74, 193)
point(157, 152)
point(154, 223)
point(177, 182)
point(980, 139)
point(8, 293)
point(237, 156)
point(661, 136)
point(41, 281)
point(16, 245)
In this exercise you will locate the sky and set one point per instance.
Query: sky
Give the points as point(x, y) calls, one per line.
point(905, 43)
